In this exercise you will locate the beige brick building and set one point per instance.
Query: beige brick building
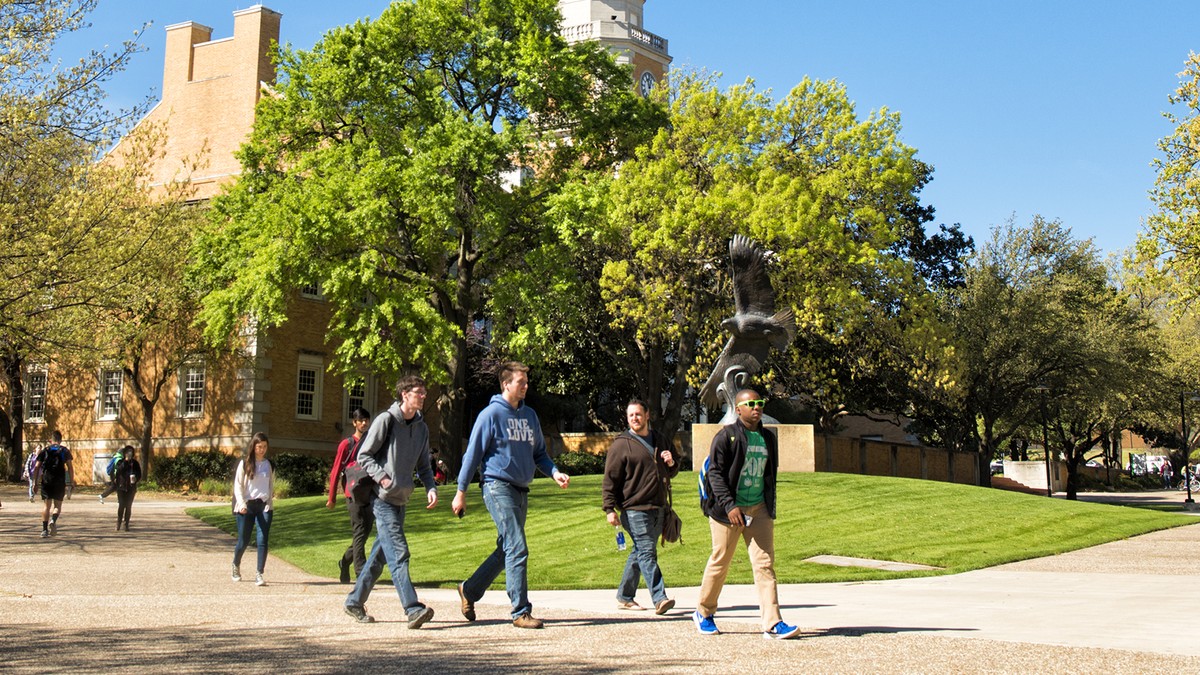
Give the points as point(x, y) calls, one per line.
point(209, 91)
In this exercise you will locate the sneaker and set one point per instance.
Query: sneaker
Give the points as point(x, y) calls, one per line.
point(781, 631)
point(127, 526)
point(45, 533)
point(258, 580)
point(360, 614)
point(419, 617)
point(526, 620)
point(705, 624)
point(101, 499)
point(468, 607)
point(237, 574)
point(344, 571)
point(629, 605)
point(666, 605)
point(53, 528)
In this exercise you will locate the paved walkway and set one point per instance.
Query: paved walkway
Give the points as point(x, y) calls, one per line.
point(159, 599)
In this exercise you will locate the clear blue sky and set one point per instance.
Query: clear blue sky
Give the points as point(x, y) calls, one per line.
point(1023, 107)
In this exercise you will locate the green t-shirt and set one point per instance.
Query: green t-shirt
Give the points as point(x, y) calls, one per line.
point(750, 483)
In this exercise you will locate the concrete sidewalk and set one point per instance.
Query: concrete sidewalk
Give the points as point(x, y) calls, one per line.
point(159, 598)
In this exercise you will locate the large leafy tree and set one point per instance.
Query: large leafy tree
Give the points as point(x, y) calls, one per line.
point(379, 169)
point(68, 224)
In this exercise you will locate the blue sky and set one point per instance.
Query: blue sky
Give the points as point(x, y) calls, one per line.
point(1023, 107)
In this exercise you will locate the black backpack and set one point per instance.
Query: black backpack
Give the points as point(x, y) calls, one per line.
point(55, 461)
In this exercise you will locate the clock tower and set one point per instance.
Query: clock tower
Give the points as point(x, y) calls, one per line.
point(617, 24)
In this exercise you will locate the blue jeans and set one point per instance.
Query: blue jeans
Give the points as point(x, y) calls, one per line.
point(390, 546)
point(644, 528)
point(508, 505)
point(254, 515)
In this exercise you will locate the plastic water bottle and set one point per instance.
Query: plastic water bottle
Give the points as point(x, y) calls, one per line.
point(620, 540)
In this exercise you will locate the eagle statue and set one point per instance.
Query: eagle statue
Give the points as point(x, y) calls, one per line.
point(754, 328)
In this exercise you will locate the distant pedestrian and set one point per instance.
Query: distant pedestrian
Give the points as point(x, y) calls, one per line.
point(638, 469)
point(1165, 472)
point(253, 497)
point(505, 446)
point(127, 474)
point(53, 468)
point(740, 503)
point(396, 446)
point(362, 518)
point(29, 475)
point(112, 465)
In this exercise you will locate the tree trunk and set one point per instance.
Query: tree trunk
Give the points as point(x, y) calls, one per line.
point(16, 420)
point(147, 434)
point(452, 406)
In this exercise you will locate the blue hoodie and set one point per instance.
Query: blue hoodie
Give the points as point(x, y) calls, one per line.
point(508, 441)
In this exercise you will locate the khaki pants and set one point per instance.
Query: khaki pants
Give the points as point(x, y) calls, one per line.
point(760, 543)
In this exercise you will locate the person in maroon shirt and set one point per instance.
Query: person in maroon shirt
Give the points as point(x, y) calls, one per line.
point(361, 516)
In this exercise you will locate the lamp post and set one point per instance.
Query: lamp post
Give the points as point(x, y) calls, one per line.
point(1041, 389)
point(1187, 461)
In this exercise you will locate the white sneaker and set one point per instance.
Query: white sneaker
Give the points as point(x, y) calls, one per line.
point(101, 499)
point(237, 574)
point(258, 580)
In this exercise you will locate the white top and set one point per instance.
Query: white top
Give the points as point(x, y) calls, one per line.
point(259, 486)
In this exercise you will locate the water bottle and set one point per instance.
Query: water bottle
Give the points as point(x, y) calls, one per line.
point(620, 540)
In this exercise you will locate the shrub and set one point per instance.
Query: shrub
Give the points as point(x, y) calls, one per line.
point(305, 475)
point(283, 488)
point(216, 488)
point(189, 469)
point(580, 463)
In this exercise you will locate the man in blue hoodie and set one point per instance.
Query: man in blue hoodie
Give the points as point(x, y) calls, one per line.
point(507, 441)
point(396, 445)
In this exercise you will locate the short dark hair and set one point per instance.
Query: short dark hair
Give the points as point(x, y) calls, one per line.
point(56, 436)
point(360, 414)
point(509, 369)
point(637, 401)
point(408, 383)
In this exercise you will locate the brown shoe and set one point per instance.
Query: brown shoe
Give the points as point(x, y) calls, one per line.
point(468, 607)
point(665, 606)
point(526, 620)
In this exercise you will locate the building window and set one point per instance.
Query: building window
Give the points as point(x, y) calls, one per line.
point(311, 291)
point(108, 404)
point(360, 392)
point(35, 396)
point(191, 390)
point(308, 387)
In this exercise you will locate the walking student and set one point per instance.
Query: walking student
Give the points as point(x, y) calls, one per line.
point(506, 444)
point(740, 502)
point(29, 474)
point(637, 475)
point(396, 445)
point(362, 518)
point(53, 468)
point(253, 495)
point(126, 476)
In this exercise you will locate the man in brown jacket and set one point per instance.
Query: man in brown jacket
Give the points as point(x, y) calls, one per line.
point(637, 475)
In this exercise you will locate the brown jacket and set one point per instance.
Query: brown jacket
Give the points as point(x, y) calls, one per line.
point(635, 480)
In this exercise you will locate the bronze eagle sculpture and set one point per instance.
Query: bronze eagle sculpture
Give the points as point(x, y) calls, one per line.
point(754, 328)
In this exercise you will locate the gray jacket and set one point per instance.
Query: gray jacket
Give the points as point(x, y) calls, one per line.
point(395, 448)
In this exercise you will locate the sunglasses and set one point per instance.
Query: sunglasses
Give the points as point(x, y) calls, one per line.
point(754, 404)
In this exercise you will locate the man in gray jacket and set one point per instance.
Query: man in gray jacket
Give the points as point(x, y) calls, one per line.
point(396, 445)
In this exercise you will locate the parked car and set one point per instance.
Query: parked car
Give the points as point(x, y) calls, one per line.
point(997, 466)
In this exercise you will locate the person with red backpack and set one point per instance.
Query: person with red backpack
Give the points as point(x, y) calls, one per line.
point(53, 468)
point(362, 518)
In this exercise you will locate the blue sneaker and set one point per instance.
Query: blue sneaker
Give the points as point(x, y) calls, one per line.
point(705, 624)
point(781, 631)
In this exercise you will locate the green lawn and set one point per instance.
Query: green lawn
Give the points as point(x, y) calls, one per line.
point(955, 527)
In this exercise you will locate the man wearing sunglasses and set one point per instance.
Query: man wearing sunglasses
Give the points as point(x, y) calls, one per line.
point(740, 488)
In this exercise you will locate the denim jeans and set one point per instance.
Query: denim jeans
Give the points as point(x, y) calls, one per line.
point(254, 515)
point(508, 505)
point(644, 528)
point(390, 546)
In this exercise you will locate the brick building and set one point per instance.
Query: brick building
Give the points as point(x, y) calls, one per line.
point(209, 91)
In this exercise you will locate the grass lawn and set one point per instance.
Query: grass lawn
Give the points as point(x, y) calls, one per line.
point(955, 527)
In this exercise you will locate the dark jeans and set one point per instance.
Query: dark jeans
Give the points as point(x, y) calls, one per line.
point(644, 528)
point(362, 518)
point(508, 505)
point(391, 546)
point(254, 515)
point(124, 505)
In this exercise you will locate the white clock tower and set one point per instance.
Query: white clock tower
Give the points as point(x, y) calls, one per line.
point(617, 24)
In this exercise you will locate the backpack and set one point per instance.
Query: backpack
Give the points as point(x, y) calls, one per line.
point(54, 462)
point(702, 482)
point(112, 465)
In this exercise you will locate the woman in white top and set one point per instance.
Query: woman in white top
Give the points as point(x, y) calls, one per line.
point(253, 493)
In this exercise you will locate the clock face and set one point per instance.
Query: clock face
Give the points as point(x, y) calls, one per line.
point(646, 84)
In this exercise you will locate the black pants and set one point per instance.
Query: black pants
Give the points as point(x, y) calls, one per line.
point(124, 505)
point(362, 518)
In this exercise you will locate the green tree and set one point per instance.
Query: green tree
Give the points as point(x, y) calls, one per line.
point(379, 169)
point(65, 221)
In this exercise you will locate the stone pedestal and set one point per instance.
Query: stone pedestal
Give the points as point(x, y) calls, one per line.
point(796, 443)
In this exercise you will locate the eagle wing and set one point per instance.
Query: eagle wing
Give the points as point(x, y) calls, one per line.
point(752, 292)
